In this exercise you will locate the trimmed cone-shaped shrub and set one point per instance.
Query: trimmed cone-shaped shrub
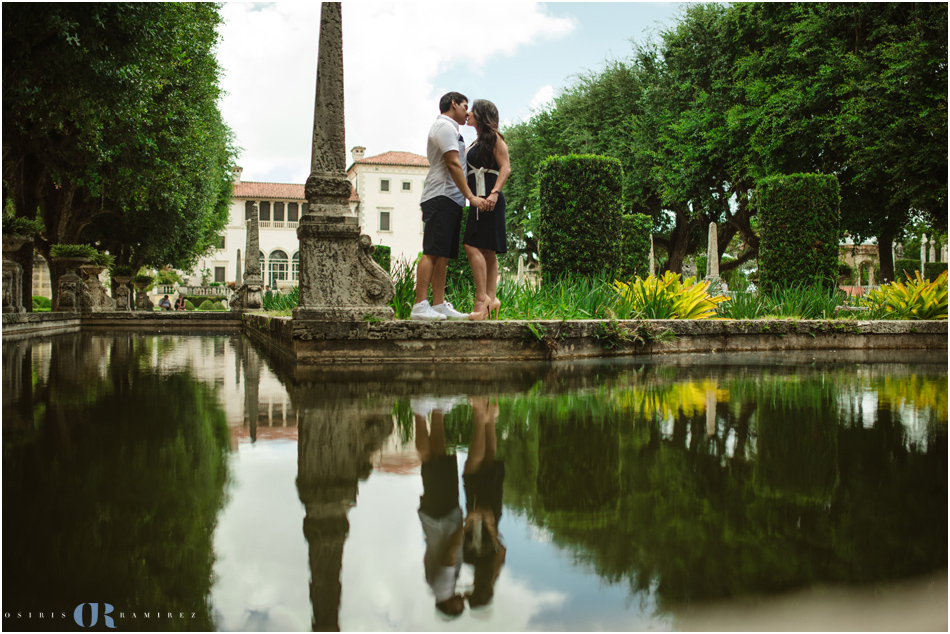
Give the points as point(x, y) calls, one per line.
point(799, 218)
point(581, 211)
point(189, 305)
point(206, 305)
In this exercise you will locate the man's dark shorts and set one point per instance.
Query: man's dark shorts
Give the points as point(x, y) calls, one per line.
point(440, 486)
point(443, 218)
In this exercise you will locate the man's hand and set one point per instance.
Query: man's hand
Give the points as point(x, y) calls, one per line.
point(481, 203)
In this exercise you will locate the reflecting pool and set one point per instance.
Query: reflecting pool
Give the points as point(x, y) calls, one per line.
point(202, 482)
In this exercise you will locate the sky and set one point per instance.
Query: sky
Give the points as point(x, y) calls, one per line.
point(399, 58)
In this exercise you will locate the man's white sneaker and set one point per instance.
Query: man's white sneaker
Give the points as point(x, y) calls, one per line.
point(446, 308)
point(424, 312)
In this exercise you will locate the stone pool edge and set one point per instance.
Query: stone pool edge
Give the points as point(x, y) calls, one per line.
point(399, 341)
point(309, 342)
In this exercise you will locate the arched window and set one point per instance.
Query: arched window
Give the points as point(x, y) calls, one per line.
point(276, 268)
point(295, 267)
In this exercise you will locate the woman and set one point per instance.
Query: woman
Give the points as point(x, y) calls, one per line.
point(485, 235)
point(484, 479)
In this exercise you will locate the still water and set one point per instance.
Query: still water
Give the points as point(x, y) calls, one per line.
point(200, 482)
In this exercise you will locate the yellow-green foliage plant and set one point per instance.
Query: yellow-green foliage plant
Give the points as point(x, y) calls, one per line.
point(669, 297)
point(917, 299)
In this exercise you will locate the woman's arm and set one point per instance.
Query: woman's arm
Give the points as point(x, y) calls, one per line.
point(504, 171)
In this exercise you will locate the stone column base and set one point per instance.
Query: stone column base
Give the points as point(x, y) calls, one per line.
point(247, 296)
point(366, 313)
point(339, 280)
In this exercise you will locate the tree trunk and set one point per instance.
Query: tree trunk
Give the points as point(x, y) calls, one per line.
point(885, 242)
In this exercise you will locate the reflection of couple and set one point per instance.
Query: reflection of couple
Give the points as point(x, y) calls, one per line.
point(449, 539)
point(453, 176)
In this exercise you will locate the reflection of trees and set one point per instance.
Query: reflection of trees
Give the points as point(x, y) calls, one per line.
point(789, 489)
point(119, 503)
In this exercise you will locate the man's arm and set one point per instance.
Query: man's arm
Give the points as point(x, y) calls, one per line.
point(458, 177)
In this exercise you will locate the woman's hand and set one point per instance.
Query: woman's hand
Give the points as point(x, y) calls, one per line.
point(492, 198)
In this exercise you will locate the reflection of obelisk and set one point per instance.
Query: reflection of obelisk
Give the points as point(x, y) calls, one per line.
point(252, 381)
point(335, 441)
point(339, 280)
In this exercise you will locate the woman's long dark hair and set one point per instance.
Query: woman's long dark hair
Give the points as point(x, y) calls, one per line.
point(487, 116)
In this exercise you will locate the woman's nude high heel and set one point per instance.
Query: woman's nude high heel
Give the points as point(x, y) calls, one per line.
point(480, 315)
point(494, 306)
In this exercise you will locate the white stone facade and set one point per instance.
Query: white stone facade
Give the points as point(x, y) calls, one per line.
point(388, 188)
point(386, 195)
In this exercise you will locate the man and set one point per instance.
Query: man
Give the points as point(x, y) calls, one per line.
point(439, 509)
point(443, 196)
point(164, 303)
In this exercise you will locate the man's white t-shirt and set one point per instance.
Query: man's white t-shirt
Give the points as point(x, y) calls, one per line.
point(444, 137)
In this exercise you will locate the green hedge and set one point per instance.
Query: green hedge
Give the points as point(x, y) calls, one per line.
point(383, 256)
point(459, 269)
point(198, 300)
point(905, 264)
point(206, 305)
point(189, 305)
point(41, 304)
point(581, 215)
point(799, 218)
point(932, 270)
point(635, 250)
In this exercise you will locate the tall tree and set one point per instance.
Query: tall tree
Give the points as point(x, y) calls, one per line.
point(111, 126)
point(858, 90)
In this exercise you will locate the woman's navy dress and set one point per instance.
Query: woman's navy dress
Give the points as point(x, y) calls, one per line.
point(485, 229)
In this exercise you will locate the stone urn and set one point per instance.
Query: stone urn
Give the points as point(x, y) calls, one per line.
point(123, 294)
point(70, 287)
point(142, 302)
point(94, 297)
point(13, 274)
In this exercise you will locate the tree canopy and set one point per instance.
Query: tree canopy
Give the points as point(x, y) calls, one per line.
point(111, 130)
point(735, 93)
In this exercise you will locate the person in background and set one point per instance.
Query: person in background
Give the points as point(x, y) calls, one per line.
point(180, 303)
point(164, 303)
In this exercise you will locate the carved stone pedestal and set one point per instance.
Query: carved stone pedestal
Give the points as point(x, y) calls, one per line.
point(12, 275)
point(142, 302)
point(339, 280)
point(122, 296)
point(94, 298)
point(12, 287)
point(247, 296)
point(69, 291)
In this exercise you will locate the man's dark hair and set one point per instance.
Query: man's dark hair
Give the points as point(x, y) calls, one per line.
point(446, 101)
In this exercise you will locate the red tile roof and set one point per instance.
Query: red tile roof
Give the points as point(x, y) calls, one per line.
point(285, 191)
point(252, 190)
point(395, 158)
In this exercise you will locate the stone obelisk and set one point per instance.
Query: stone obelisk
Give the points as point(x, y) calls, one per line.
point(339, 280)
point(248, 295)
point(712, 254)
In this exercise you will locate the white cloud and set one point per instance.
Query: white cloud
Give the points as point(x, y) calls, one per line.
point(542, 99)
point(393, 54)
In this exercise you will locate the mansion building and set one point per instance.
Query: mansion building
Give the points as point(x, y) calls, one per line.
point(385, 198)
